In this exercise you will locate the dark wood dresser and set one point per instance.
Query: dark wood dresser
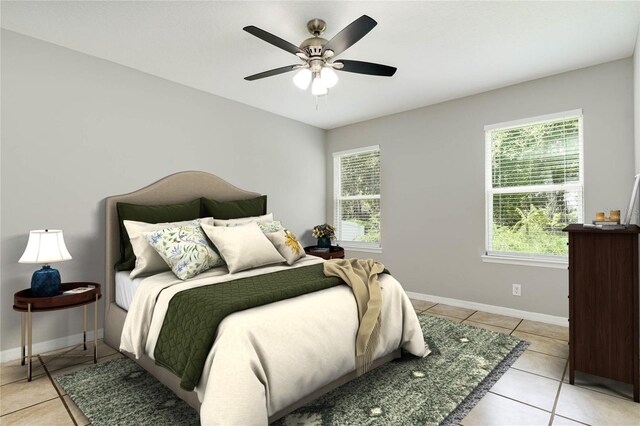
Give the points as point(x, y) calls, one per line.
point(603, 304)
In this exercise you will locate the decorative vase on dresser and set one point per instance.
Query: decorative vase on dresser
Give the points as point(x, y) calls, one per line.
point(603, 304)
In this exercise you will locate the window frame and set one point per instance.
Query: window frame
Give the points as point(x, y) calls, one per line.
point(528, 259)
point(354, 245)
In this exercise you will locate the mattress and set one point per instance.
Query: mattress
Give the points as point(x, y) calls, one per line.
point(126, 288)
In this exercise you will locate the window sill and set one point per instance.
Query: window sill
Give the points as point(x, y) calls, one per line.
point(350, 247)
point(512, 260)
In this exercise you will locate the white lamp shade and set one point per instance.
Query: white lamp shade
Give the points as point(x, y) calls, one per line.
point(45, 246)
point(302, 78)
point(318, 87)
point(329, 77)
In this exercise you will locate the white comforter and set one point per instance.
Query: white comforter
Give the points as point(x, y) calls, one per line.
point(268, 357)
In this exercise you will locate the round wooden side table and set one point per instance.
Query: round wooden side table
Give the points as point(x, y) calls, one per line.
point(335, 252)
point(24, 302)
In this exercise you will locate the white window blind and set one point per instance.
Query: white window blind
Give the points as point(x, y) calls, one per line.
point(534, 185)
point(357, 197)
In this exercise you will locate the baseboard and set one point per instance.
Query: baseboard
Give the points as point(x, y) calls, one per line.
point(533, 316)
point(49, 345)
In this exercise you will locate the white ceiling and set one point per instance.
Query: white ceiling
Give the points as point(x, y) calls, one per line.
point(443, 50)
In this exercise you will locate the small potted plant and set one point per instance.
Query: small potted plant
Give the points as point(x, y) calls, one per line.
point(325, 234)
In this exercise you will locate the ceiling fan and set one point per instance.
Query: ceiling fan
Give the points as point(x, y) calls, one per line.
point(317, 55)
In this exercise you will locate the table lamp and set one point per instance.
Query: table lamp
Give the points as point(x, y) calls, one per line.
point(45, 246)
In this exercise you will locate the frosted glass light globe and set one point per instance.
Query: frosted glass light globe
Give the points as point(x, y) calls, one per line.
point(318, 87)
point(302, 78)
point(329, 77)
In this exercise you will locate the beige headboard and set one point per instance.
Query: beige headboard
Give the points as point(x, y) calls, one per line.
point(177, 188)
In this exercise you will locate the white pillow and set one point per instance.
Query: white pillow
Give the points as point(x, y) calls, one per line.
point(244, 220)
point(243, 247)
point(287, 245)
point(148, 261)
point(185, 249)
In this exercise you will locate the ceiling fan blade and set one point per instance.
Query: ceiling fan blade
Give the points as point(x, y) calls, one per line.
point(370, 68)
point(350, 35)
point(275, 40)
point(272, 72)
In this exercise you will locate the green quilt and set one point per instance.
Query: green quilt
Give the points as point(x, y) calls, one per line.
point(193, 316)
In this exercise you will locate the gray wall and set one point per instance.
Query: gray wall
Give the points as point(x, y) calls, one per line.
point(433, 202)
point(76, 129)
point(636, 99)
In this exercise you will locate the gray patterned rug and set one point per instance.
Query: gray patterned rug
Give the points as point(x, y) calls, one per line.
point(438, 389)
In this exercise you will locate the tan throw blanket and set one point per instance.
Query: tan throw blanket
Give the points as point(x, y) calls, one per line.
point(362, 276)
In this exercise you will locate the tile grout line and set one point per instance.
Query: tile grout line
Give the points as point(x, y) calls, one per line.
point(484, 323)
point(516, 327)
point(519, 402)
point(33, 377)
point(545, 353)
point(464, 319)
point(470, 315)
point(29, 406)
point(540, 335)
point(536, 374)
point(64, 403)
point(555, 402)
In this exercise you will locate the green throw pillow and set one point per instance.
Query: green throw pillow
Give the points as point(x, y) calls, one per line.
point(234, 209)
point(149, 214)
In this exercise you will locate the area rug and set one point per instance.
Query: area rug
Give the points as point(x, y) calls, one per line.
point(441, 388)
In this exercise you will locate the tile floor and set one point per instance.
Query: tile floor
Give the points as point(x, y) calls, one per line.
point(534, 391)
point(43, 402)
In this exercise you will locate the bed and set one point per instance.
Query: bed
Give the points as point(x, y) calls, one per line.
point(253, 375)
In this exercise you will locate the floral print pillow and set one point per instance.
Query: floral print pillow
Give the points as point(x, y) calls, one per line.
point(287, 245)
point(268, 227)
point(185, 249)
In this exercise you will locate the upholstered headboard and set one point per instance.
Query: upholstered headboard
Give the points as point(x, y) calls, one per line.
point(177, 188)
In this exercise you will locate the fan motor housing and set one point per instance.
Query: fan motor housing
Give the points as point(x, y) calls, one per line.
point(313, 46)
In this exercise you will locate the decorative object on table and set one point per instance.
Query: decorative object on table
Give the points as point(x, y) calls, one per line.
point(79, 290)
point(438, 389)
point(325, 234)
point(606, 222)
point(45, 246)
point(614, 216)
point(632, 200)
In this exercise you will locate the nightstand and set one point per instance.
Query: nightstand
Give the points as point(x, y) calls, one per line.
point(25, 303)
point(335, 252)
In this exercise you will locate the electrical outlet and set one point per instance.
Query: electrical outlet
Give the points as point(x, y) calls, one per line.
point(516, 290)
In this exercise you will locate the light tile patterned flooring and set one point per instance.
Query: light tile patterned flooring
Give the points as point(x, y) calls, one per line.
point(534, 391)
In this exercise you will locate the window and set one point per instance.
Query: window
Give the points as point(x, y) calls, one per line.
point(357, 198)
point(534, 185)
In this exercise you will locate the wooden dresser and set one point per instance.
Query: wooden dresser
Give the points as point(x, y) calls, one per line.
point(603, 304)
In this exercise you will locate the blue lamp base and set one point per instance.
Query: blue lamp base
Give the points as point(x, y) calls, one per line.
point(45, 282)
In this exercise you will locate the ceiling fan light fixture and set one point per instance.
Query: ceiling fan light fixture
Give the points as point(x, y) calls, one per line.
point(302, 78)
point(329, 77)
point(318, 87)
point(318, 55)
